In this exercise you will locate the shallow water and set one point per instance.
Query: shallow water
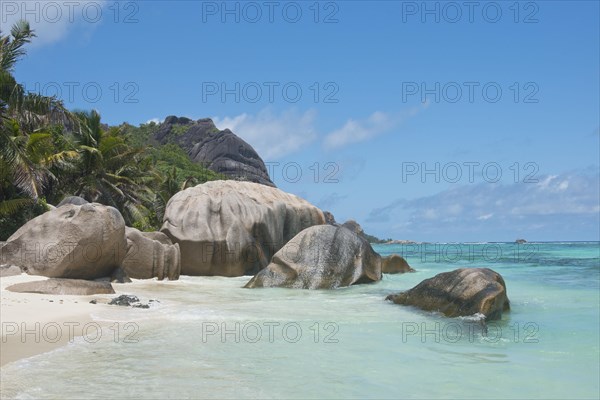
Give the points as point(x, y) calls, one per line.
point(347, 343)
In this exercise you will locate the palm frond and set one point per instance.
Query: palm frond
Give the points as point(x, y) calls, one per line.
point(12, 206)
point(11, 49)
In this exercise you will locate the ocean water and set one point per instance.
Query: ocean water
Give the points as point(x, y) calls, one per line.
point(209, 338)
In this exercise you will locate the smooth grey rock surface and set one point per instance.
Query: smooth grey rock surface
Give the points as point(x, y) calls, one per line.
point(233, 228)
point(462, 292)
point(321, 257)
point(72, 241)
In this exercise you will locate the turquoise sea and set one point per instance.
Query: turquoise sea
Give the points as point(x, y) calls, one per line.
point(209, 338)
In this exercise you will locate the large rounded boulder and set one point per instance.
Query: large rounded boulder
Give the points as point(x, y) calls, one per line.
point(321, 257)
point(151, 255)
point(395, 264)
point(462, 292)
point(233, 228)
point(72, 241)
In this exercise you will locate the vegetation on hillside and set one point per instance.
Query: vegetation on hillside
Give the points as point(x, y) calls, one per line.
point(48, 152)
point(375, 239)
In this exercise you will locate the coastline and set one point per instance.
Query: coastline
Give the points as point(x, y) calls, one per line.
point(178, 358)
point(34, 323)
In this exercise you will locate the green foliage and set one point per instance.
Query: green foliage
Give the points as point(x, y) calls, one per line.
point(48, 152)
point(374, 239)
point(177, 173)
point(170, 155)
point(179, 130)
point(10, 222)
point(140, 136)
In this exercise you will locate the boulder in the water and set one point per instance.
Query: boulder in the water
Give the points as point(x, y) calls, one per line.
point(321, 257)
point(395, 264)
point(462, 292)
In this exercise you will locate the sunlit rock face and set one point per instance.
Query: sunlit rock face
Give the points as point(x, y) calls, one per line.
point(72, 241)
point(321, 257)
point(462, 292)
point(233, 228)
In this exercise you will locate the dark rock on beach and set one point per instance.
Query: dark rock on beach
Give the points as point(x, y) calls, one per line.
point(462, 292)
point(219, 150)
point(126, 300)
point(321, 257)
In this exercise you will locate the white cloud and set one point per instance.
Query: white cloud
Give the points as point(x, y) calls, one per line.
point(429, 213)
point(355, 131)
point(329, 201)
point(564, 185)
point(545, 183)
point(557, 203)
point(155, 120)
point(52, 20)
point(273, 135)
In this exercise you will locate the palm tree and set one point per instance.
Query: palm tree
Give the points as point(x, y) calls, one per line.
point(168, 187)
point(24, 121)
point(47, 152)
point(113, 172)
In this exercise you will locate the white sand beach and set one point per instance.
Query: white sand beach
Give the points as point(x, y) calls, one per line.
point(37, 323)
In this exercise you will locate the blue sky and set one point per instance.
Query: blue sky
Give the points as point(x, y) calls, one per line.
point(424, 120)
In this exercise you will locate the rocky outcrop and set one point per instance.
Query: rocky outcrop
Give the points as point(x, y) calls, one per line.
point(354, 227)
point(395, 264)
point(220, 151)
point(462, 292)
point(63, 287)
point(72, 241)
point(321, 257)
point(329, 218)
point(232, 228)
point(151, 255)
